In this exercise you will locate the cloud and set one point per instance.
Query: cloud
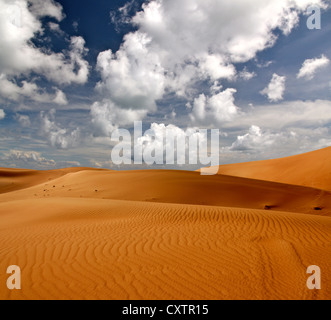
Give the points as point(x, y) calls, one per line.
point(264, 64)
point(214, 67)
point(33, 160)
point(66, 68)
point(179, 44)
point(285, 115)
point(23, 120)
point(311, 66)
point(122, 16)
point(277, 130)
point(262, 131)
point(257, 140)
point(55, 27)
point(107, 117)
point(57, 136)
point(132, 77)
point(60, 98)
point(153, 142)
point(19, 56)
point(27, 158)
point(2, 114)
point(132, 80)
point(236, 30)
point(20, 23)
point(265, 143)
point(246, 75)
point(13, 91)
point(216, 109)
point(42, 8)
point(275, 89)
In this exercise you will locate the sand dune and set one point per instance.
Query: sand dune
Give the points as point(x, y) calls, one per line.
point(16, 179)
point(182, 188)
point(111, 249)
point(311, 169)
point(100, 234)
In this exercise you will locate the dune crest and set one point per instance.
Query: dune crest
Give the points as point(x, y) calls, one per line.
point(312, 169)
point(17, 179)
point(179, 187)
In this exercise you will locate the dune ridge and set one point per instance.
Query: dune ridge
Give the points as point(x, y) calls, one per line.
point(182, 188)
point(312, 169)
point(17, 179)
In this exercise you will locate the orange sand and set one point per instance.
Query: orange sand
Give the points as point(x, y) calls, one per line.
point(99, 234)
point(311, 169)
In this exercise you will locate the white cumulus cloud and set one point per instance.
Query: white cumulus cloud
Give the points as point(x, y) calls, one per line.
point(216, 109)
point(311, 66)
point(132, 77)
point(275, 89)
point(106, 116)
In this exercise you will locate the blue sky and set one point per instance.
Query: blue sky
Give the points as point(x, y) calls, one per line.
point(73, 71)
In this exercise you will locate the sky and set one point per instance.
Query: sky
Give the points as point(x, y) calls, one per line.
point(74, 71)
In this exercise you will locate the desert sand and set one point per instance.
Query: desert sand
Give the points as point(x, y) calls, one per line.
point(311, 169)
point(248, 233)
